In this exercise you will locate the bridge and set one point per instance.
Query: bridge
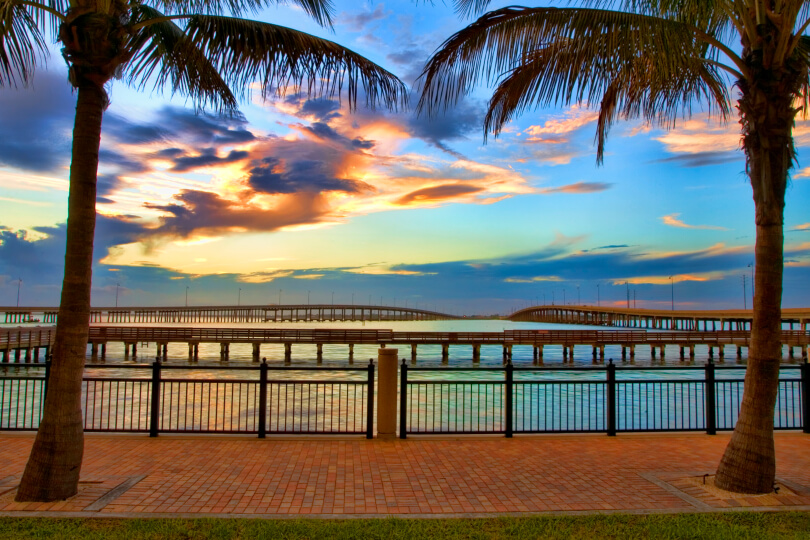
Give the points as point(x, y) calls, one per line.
point(232, 314)
point(31, 339)
point(658, 319)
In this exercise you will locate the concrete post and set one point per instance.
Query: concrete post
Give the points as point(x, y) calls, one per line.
point(387, 393)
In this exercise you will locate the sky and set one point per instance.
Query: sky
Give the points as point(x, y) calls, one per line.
point(298, 199)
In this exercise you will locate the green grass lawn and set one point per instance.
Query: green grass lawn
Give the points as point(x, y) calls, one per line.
point(735, 526)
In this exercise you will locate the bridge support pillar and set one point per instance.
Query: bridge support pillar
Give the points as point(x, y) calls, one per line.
point(476, 356)
point(445, 353)
point(288, 353)
point(632, 351)
point(162, 350)
point(540, 355)
point(682, 352)
point(790, 351)
point(593, 352)
point(319, 352)
point(721, 352)
point(711, 351)
point(624, 352)
point(413, 352)
point(103, 350)
point(257, 351)
point(663, 351)
point(691, 352)
point(565, 354)
point(224, 352)
point(601, 353)
point(739, 351)
point(652, 352)
point(351, 353)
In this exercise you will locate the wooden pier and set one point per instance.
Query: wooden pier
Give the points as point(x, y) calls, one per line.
point(232, 314)
point(596, 340)
point(25, 343)
point(694, 320)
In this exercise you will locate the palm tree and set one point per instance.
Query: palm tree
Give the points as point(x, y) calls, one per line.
point(142, 42)
point(655, 60)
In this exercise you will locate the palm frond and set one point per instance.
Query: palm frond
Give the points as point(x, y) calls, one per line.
point(277, 57)
point(604, 41)
point(21, 44)
point(45, 16)
point(321, 11)
point(802, 55)
point(635, 90)
point(162, 52)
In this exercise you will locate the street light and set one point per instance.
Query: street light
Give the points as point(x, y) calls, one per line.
point(744, 294)
point(239, 297)
point(308, 297)
point(672, 282)
point(579, 300)
point(598, 299)
point(279, 296)
point(19, 284)
point(116, 300)
point(626, 284)
point(751, 266)
point(333, 298)
point(117, 285)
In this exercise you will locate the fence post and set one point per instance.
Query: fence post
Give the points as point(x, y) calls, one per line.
point(508, 412)
point(370, 404)
point(387, 393)
point(806, 396)
point(48, 377)
point(711, 400)
point(611, 398)
point(403, 400)
point(263, 399)
point(154, 412)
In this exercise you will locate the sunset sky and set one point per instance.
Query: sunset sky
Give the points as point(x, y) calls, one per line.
point(300, 197)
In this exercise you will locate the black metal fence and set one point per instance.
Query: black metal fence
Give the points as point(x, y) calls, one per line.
point(536, 400)
point(341, 402)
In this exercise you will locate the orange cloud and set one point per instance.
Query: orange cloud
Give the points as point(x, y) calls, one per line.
point(673, 221)
point(437, 194)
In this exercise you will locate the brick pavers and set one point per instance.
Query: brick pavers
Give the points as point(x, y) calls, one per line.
point(218, 475)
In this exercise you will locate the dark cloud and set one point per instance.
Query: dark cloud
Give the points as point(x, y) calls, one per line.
point(202, 211)
point(206, 157)
point(326, 132)
point(127, 132)
point(272, 175)
point(323, 109)
point(35, 130)
point(185, 125)
point(701, 159)
point(465, 119)
point(356, 22)
point(438, 193)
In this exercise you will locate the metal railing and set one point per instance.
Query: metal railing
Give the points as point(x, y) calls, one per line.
point(587, 400)
point(339, 403)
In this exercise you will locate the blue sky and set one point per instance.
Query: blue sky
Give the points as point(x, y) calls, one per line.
point(300, 197)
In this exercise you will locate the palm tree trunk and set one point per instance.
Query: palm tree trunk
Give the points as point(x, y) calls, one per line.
point(52, 471)
point(749, 462)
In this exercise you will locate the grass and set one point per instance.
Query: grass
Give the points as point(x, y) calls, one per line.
point(737, 526)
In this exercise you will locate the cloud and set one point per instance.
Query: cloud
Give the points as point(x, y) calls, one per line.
point(553, 131)
point(703, 159)
point(701, 136)
point(358, 21)
point(274, 175)
point(37, 123)
point(438, 193)
point(206, 213)
point(206, 157)
point(802, 227)
point(579, 187)
point(673, 221)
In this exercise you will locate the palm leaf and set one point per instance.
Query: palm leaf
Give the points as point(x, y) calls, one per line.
point(21, 44)
point(161, 51)
point(320, 10)
point(277, 57)
point(593, 47)
point(555, 75)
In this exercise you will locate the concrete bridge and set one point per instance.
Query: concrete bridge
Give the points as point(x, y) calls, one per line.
point(657, 319)
point(231, 314)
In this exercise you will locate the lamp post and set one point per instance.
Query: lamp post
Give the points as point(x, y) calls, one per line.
point(744, 294)
point(627, 284)
point(753, 293)
point(117, 285)
point(672, 283)
point(279, 296)
point(352, 298)
point(563, 296)
point(116, 303)
point(239, 297)
point(552, 297)
point(333, 298)
point(579, 300)
point(308, 297)
point(598, 299)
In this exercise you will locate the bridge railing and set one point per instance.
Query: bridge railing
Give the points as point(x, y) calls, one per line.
point(512, 400)
point(157, 399)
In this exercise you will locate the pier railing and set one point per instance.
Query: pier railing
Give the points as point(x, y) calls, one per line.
point(512, 400)
point(157, 399)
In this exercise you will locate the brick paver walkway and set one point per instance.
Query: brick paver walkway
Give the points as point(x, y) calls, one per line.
point(126, 475)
